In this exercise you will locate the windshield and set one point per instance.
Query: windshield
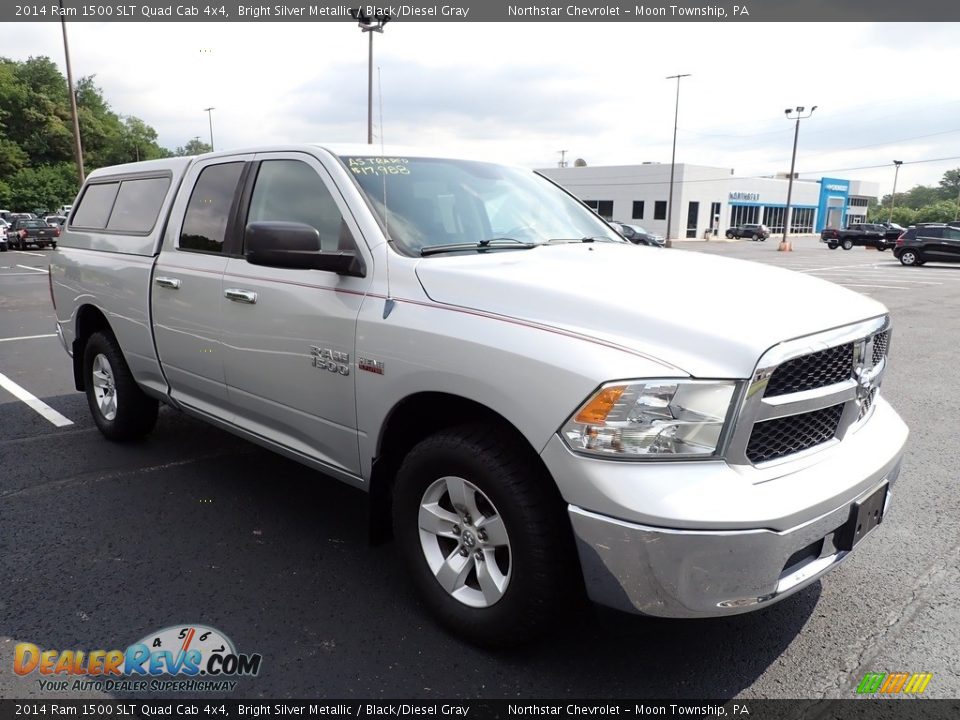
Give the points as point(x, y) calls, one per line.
point(426, 202)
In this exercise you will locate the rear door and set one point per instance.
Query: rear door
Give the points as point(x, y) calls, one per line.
point(289, 335)
point(931, 243)
point(188, 281)
point(951, 244)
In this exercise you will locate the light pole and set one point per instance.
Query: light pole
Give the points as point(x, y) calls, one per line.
point(673, 154)
point(77, 148)
point(893, 196)
point(209, 112)
point(563, 158)
point(786, 244)
point(370, 24)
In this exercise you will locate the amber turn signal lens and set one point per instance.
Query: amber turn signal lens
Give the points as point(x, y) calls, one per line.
point(603, 402)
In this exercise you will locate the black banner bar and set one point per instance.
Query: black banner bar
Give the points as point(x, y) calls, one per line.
point(485, 11)
point(860, 709)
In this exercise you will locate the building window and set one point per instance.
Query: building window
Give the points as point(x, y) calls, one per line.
point(660, 210)
point(773, 219)
point(714, 215)
point(801, 220)
point(603, 208)
point(741, 214)
point(693, 210)
point(637, 210)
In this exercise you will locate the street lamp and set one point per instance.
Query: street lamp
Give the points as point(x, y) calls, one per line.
point(370, 24)
point(209, 112)
point(77, 148)
point(893, 197)
point(786, 244)
point(673, 154)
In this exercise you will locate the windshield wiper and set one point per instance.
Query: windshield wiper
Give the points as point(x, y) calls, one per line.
point(500, 243)
point(557, 241)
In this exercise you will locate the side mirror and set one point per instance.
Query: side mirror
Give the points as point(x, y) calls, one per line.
point(296, 246)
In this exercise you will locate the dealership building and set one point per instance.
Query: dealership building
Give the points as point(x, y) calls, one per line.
point(713, 199)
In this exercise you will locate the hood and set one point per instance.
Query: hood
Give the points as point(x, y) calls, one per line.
point(710, 316)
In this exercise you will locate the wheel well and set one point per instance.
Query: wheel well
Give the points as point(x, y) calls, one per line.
point(89, 320)
point(414, 419)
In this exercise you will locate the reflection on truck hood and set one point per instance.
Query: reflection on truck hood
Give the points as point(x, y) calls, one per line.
point(710, 316)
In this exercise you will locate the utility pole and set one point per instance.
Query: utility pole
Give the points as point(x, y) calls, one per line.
point(77, 147)
point(893, 196)
point(673, 154)
point(785, 244)
point(370, 24)
point(209, 112)
point(563, 156)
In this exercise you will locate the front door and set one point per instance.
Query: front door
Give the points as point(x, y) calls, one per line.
point(289, 335)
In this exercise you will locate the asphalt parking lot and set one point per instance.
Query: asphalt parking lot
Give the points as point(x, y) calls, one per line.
point(101, 544)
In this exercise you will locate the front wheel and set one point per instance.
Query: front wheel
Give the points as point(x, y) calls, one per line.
point(910, 258)
point(832, 245)
point(120, 408)
point(484, 535)
point(729, 235)
point(846, 244)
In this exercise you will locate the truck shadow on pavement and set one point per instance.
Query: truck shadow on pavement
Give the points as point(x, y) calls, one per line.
point(276, 557)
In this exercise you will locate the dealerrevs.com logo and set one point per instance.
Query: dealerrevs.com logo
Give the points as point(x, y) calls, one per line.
point(183, 658)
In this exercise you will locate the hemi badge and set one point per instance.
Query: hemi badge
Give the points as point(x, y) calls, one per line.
point(374, 366)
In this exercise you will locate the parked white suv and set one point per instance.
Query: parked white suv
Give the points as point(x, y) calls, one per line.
point(462, 340)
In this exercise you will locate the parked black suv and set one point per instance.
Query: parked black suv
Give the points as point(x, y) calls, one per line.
point(753, 231)
point(932, 242)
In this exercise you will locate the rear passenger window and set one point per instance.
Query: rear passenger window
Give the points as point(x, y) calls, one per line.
point(138, 205)
point(95, 206)
point(208, 211)
point(933, 232)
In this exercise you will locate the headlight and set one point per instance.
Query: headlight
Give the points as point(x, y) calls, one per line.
point(652, 418)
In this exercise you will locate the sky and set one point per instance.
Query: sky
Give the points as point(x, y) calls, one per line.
point(522, 92)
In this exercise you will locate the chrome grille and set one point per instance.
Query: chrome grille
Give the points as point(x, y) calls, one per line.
point(775, 439)
point(880, 342)
point(810, 391)
point(812, 371)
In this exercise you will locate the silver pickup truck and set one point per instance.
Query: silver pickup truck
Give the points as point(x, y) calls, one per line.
point(464, 341)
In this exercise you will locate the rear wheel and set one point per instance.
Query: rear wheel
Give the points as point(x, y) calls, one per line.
point(910, 258)
point(120, 408)
point(484, 538)
point(846, 244)
point(729, 235)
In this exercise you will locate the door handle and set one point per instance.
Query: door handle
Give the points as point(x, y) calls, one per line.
point(167, 282)
point(243, 296)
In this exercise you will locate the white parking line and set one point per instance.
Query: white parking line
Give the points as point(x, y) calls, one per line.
point(34, 402)
point(27, 267)
point(27, 337)
point(888, 287)
point(24, 252)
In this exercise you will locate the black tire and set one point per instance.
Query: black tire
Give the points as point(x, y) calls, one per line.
point(134, 413)
point(832, 245)
point(910, 258)
point(846, 244)
point(729, 235)
point(881, 248)
point(53, 246)
point(540, 554)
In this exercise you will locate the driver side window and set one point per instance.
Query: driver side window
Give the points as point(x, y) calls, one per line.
point(292, 191)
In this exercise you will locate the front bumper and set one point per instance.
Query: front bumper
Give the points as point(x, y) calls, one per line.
point(691, 540)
